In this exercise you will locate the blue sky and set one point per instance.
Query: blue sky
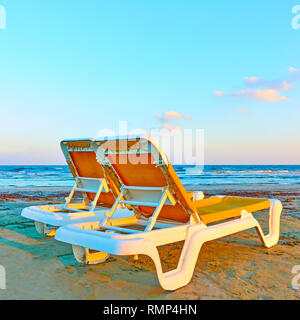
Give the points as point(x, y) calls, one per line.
point(70, 68)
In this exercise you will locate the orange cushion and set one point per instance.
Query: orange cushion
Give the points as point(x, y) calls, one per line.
point(87, 166)
point(140, 170)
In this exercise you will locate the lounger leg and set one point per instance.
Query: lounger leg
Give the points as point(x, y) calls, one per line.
point(182, 275)
point(195, 238)
point(272, 237)
point(83, 255)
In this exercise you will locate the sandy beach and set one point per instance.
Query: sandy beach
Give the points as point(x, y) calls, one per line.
point(235, 267)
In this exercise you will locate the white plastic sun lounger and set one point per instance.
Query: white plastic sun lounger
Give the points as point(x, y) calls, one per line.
point(98, 196)
point(163, 212)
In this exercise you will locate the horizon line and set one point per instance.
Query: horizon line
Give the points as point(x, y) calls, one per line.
point(207, 164)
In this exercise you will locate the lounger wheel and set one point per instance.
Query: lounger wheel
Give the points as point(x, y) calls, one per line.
point(42, 229)
point(83, 255)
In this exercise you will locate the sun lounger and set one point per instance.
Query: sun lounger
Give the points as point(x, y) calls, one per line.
point(98, 195)
point(164, 212)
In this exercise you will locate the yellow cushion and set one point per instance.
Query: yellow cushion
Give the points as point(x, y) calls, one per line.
point(190, 194)
point(216, 208)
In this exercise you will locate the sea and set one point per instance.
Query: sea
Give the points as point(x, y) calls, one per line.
point(60, 175)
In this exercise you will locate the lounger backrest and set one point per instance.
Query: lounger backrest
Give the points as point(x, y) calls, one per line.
point(142, 164)
point(82, 162)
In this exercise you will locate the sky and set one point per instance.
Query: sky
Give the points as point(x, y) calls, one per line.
point(71, 68)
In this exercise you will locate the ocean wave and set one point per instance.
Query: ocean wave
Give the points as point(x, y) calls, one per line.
point(189, 175)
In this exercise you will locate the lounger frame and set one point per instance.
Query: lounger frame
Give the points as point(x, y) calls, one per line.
point(114, 236)
point(86, 185)
point(48, 218)
point(57, 215)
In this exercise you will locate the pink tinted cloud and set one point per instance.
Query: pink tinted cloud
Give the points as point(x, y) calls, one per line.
point(259, 89)
point(219, 93)
point(244, 111)
point(169, 116)
point(293, 70)
point(268, 84)
point(268, 95)
point(171, 128)
point(252, 80)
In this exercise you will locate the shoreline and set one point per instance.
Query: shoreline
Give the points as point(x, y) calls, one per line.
point(289, 195)
point(209, 187)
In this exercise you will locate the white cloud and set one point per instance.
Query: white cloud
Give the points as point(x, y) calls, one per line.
point(171, 128)
point(293, 69)
point(269, 95)
point(169, 116)
point(285, 85)
point(219, 93)
point(268, 84)
point(244, 111)
point(264, 90)
point(252, 80)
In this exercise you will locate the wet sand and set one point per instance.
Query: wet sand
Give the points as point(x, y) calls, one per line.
point(235, 267)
